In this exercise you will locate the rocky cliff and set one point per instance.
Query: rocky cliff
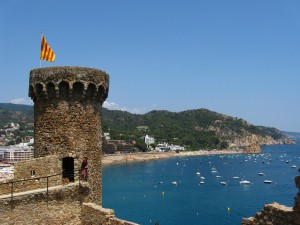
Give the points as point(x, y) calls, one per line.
point(239, 132)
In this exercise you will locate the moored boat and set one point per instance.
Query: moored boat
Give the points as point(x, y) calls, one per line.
point(245, 182)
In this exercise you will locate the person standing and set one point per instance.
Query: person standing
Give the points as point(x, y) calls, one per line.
point(84, 167)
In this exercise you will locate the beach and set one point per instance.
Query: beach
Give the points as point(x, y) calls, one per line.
point(115, 159)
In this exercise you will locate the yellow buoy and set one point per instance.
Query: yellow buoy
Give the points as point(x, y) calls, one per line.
point(163, 193)
point(228, 209)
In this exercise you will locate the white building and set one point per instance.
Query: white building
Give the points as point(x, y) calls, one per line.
point(149, 140)
point(163, 147)
point(13, 155)
point(106, 136)
point(176, 147)
point(19, 152)
point(13, 126)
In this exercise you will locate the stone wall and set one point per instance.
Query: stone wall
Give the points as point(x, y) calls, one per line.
point(64, 206)
point(23, 178)
point(43, 166)
point(67, 113)
point(93, 214)
point(273, 214)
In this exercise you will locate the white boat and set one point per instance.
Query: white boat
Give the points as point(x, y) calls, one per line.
point(218, 176)
point(214, 170)
point(174, 182)
point(201, 182)
point(261, 174)
point(267, 181)
point(198, 173)
point(293, 166)
point(223, 183)
point(245, 182)
point(236, 178)
point(202, 178)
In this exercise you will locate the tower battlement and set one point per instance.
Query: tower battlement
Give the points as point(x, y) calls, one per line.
point(78, 83)
point(67, 119)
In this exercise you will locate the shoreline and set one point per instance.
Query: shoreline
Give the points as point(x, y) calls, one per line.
point(118, 159)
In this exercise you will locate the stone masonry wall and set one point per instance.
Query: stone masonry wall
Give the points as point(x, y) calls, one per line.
point(273, 214)
point(64, 206)
point(75, 129)
point(44, 166)
point(96, 215)
point(67, 112)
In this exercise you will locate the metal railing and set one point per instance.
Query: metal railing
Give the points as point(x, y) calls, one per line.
point(65, 178)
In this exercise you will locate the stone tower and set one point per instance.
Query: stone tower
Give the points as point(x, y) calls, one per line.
point(67, 114)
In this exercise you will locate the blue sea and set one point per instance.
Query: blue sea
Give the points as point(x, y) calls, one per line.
point(145, 193)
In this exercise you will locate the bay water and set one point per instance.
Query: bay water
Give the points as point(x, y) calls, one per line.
point(174, 192)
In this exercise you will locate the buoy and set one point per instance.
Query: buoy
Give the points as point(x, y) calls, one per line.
point(163, 194)
point(228, 209)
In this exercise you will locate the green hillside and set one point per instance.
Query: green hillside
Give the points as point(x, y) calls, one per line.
point(21, 114)
point(195, 129)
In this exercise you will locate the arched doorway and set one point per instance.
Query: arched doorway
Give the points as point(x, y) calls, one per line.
point(68, 168)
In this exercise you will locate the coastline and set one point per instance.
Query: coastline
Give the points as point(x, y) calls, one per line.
point(117, 159)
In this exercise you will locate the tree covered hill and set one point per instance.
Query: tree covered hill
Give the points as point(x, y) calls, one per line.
point(200, 128)
point(195, 129)
point(16, 113)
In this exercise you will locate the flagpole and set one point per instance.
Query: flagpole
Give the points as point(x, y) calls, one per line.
point(40, 51)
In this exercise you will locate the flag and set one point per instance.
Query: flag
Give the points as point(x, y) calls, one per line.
point(46, 51)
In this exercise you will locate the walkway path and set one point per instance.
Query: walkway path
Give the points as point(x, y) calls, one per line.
point(35, 191)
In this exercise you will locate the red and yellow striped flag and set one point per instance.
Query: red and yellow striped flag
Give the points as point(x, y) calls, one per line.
point(46, 51)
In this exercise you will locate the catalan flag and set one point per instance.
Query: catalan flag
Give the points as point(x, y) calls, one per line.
point(46, 52)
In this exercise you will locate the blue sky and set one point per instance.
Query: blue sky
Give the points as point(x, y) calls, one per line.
point(235, 57)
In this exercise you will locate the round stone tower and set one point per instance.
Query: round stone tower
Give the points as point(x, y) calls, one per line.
point(67, 118)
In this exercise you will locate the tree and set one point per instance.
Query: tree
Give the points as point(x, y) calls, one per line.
point(11, 142)
point(140, 144)
point(18, 140)
point(223, 145)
